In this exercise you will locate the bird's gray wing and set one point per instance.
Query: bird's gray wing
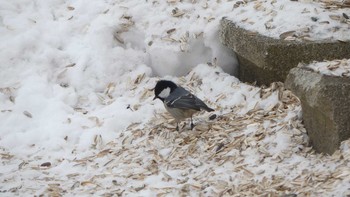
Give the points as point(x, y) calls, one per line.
point(183, 99)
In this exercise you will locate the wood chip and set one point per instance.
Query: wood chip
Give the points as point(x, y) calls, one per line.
point(177, 13)
point(287, 34)
point(29, 115)
point(46, 164)
point(171, 30)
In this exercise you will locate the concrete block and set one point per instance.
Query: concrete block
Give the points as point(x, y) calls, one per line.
point(265, 60)
point(325, 103)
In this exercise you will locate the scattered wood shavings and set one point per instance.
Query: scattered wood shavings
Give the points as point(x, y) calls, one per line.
point(339, 68)
point(225, 147)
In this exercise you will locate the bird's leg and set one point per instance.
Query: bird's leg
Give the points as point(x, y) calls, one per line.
point(177, 126)
point(192, 125)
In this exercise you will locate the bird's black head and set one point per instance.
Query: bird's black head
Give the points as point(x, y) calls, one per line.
point(163, 89)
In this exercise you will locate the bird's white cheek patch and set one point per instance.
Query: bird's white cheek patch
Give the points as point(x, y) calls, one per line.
point(164, 93)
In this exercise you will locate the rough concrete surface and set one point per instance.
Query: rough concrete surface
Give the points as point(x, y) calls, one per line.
point(265, 60)
point(325, 102)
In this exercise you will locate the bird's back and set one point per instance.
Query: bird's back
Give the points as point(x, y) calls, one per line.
point(181, 98)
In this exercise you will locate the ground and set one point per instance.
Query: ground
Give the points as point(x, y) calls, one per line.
point(78, 117)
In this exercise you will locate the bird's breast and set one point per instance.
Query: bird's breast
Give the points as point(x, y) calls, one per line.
point(180, 114)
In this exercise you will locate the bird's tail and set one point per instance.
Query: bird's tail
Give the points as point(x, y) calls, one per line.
point(208, 109)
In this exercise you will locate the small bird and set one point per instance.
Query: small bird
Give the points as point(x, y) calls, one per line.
point(179, 102)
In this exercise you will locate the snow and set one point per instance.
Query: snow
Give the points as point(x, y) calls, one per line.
point(305, 19)
point(76, 86)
